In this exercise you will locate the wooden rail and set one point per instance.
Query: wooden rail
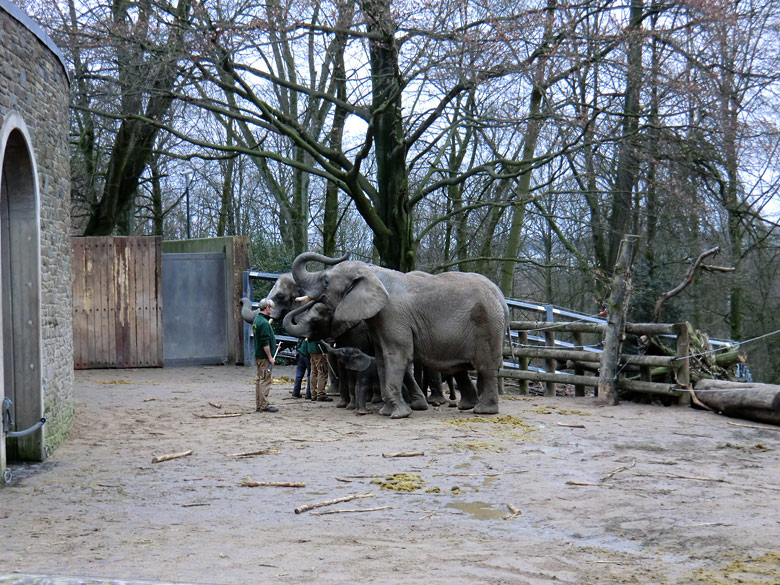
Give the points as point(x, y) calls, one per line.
point(579, 358)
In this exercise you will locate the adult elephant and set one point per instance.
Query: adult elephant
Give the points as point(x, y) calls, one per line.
point(450, 322)
point(284, 294)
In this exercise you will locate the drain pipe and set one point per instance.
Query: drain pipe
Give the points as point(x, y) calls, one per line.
point(7, 405)
point(28, 431)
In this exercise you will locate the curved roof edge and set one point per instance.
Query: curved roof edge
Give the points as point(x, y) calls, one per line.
point(36, 29)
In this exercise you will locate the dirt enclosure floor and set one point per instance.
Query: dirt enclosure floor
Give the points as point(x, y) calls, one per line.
point(552, 490)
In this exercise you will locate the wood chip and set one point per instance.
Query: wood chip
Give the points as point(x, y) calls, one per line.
point(323, 512)
point(560, 424)
point(252, 483)
point(168, 457)
point(404, 454)
point(587, 483)
point(226, 415)
point(763, 428)
point(215, 405)
point(618, 470)
point(258, 452)
point(514, 512)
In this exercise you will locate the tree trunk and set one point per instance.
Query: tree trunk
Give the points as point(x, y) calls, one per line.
point(396, 246)
point(622, 200)
point(759, 402)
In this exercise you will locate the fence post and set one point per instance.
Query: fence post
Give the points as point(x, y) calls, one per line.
point(616, 323)
point(550, 364)
point(249, 350)
point(682, 367)
point(523, 363)
point(579, 389)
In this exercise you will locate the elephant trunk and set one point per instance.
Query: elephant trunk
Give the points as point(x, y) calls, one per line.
point(290, 323)
point(310, 281)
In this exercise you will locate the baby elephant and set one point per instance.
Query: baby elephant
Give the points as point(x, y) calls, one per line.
point(365, 366)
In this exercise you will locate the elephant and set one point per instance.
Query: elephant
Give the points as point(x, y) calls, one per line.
point(450, 322)
point(315, 320)
point(284, 293)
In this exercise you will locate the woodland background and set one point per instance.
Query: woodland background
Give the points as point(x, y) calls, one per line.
point(520, 139)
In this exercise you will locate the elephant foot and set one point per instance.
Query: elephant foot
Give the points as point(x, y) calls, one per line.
point(452, 403)
point(402, 410)
point(466, 404)
point(342, 404)
point(386, 410)
point(436, 399)
point(483, 408)
point(351, 406)
point(362, 411)
point(419, 404)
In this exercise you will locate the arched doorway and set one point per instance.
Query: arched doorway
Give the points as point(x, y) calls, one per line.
point(20, 293)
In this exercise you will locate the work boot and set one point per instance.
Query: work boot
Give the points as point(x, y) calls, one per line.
point(296, 395)
point(324, 399)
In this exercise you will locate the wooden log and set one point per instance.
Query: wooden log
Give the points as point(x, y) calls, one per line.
point(607, 389)
point(752, 401)
point(253, 483)
point(307, 507)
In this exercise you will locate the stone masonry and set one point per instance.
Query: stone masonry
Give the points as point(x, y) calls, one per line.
point(34, 85)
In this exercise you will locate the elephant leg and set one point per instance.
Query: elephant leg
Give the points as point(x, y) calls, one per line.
point(451, 385)
point(362, 388)
point(433, 381)
point(391, 374)
point(416, 397)
point(352, 386)
point(487, 389)
point(468, 393)
point(339, 372)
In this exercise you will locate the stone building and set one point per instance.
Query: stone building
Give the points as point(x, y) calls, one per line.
point(36, 353)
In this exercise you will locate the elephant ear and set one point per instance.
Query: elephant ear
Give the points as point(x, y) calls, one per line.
point(357, 361)
point(365, 298)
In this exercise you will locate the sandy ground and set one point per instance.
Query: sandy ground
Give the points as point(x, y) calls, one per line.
point(553, 490)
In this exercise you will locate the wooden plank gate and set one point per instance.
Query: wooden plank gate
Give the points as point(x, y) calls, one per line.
point(117, 302)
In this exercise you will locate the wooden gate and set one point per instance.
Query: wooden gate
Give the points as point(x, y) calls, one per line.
point(117, 302)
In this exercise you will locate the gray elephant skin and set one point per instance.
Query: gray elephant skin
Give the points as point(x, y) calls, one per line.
point(284, 293)
point(451, 322)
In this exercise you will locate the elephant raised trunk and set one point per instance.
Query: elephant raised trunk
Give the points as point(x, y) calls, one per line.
point(310, 281)
point(295, 327)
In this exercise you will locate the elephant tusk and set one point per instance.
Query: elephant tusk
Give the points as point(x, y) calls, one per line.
point(303, 299)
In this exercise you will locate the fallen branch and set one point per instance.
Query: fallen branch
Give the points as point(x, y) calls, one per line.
point(697, 402)
point(753, 426)
point(687, 279)
point(161, 458)
point(307, 507)
point(618, 470)
point(226, 415)
point(252, 483)
point(312, 440)
point(323, 512)
point(404, 454)
point(560, 424)
point(675, 476)
point(587, 483)
point(251, 453)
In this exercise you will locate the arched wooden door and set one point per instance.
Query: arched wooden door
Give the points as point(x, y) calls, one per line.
point(20, 362)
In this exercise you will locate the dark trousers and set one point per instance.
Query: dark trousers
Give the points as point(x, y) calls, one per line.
point(303, 367)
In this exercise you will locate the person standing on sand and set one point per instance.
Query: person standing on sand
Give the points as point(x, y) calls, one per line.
point(319, 371)
point(265, 345)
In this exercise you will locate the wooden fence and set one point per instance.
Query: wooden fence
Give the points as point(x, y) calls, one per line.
point(580, 358)
point(117, 302)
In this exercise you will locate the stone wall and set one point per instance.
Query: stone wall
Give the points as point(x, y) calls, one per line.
point(34, 88)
